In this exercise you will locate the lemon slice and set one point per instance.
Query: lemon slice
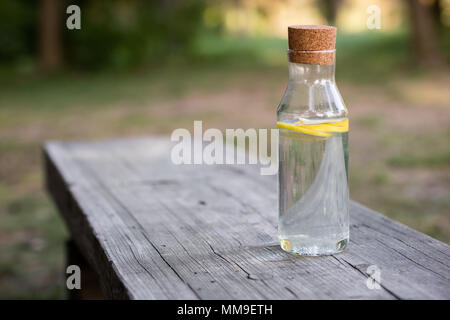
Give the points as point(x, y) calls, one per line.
point(318, 130)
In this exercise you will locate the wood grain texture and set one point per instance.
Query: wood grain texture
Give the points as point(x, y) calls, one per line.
point(154, 230)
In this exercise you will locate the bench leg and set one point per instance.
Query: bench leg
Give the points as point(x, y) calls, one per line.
point(90, 286)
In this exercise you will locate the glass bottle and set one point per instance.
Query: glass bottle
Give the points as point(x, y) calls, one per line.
point(313, 148)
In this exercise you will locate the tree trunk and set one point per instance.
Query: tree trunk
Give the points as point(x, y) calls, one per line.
point(437, 14)
point(424, 38)
point(329, 9)
point(49, 33)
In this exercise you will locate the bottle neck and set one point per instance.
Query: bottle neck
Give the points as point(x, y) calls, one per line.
point(312, 93)
point(311, 73)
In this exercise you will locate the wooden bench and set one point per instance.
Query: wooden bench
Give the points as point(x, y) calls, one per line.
point(153, 230)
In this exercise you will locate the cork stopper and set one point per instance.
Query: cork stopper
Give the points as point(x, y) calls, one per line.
point(312, 44)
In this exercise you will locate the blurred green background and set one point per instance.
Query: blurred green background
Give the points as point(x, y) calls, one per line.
point(147, 67)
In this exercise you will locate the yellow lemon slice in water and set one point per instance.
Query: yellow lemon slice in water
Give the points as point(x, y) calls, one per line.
point(318, 130)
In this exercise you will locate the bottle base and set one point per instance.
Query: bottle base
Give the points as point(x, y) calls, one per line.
point(299, 247)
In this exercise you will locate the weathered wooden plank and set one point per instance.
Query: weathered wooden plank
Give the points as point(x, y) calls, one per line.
point(153, 230)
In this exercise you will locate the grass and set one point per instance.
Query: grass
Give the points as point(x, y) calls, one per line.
point(228, 83)
point(437, 160)
point(32, 246)
point(363, 58)
point(430, 150)
point(370, 58)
